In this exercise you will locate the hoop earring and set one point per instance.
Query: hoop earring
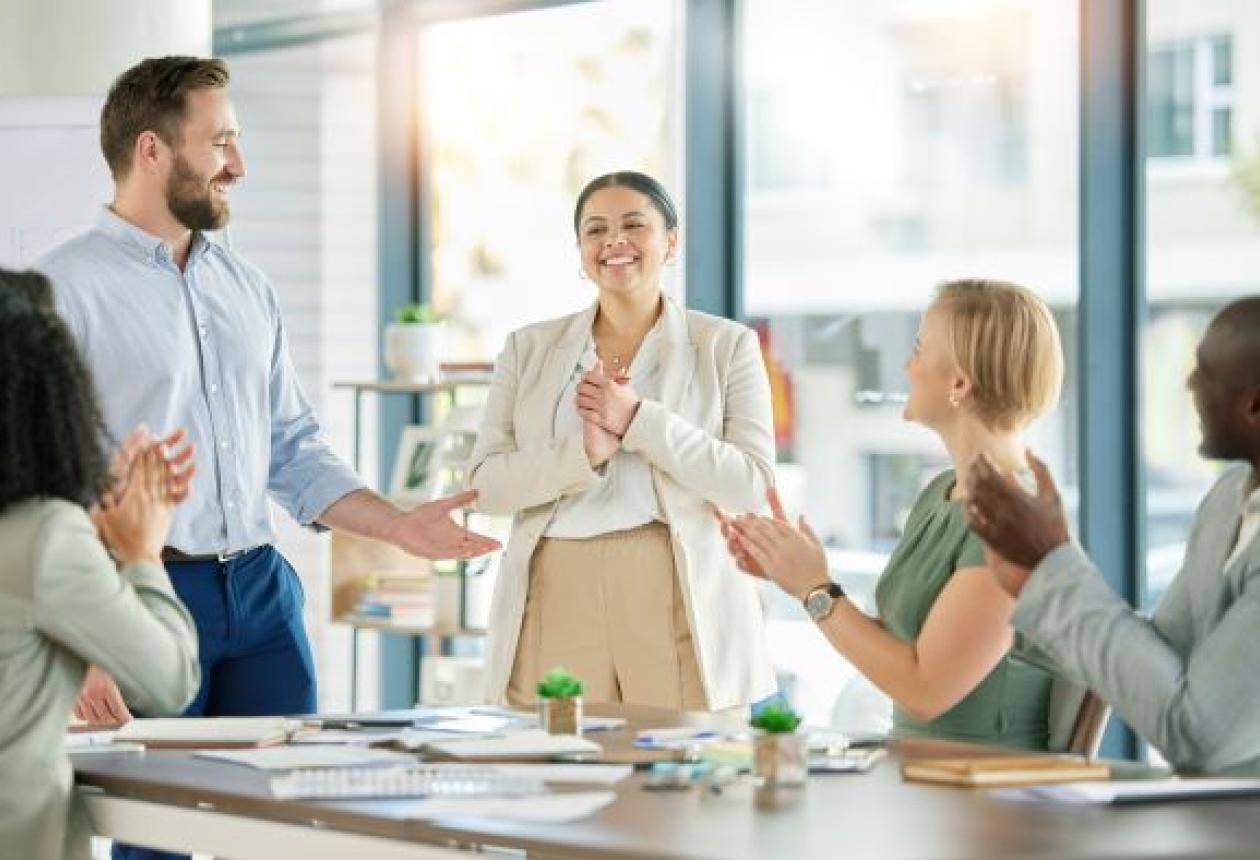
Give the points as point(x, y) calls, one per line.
point(582, 274)
point(953, 400)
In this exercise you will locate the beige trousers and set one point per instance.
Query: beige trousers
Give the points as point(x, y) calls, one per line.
point(609, 610)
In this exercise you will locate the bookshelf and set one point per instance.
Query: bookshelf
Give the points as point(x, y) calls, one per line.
point(357, 561)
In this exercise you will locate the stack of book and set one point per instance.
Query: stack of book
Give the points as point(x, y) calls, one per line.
point(401, 598)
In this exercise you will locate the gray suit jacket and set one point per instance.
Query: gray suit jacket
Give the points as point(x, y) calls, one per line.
point(1186, 680)
point(63, 605)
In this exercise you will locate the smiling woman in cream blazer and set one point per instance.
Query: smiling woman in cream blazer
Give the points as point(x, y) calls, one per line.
point(610, 435)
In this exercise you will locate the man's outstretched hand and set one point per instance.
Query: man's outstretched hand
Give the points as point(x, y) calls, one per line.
point(430, 532)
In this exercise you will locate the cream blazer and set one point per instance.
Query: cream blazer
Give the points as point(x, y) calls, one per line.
point(709, 441)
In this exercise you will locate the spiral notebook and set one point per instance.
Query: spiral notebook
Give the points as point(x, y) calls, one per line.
point(347, 783)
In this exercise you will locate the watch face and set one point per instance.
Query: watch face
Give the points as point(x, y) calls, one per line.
point(818, 605)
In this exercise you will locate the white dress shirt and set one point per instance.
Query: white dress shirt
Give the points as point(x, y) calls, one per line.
point(623, 496)
point(205, 349)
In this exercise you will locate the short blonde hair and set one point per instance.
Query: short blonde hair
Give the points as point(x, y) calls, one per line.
point(1004, 338)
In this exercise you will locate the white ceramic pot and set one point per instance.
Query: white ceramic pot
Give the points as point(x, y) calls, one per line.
point(413, 351)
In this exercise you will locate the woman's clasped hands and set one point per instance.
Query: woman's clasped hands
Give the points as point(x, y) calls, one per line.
point(607, 404)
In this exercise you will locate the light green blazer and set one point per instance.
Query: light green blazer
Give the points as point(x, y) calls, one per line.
point(63, 605)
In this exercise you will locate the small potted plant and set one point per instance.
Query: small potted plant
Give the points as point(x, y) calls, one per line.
point(413, 343)
point(560, 703)
point(778, 751)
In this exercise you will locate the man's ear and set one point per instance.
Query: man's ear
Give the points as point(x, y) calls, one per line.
point(1251, 408)
point(148, 152)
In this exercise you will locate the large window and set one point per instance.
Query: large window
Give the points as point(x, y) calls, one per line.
point(518, 112)
point(1190, 98)
point(893, 146)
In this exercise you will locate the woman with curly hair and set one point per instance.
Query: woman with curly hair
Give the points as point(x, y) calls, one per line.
point(64, 602)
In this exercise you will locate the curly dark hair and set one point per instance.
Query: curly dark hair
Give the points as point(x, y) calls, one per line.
point(24, 290)
point(52, 436)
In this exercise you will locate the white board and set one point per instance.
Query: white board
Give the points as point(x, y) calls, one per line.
point(53, 178)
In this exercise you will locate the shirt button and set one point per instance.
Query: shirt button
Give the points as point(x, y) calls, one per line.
point(214, 389)
point(225, 445)
point(230, 505)
point(202, 329)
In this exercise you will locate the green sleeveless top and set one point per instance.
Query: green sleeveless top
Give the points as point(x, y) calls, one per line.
point(1010, 706)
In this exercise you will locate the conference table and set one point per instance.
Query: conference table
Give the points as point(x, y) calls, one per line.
point(174, 800)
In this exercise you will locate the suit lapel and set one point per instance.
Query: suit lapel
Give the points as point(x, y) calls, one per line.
point(559, 365)
point(678, 356)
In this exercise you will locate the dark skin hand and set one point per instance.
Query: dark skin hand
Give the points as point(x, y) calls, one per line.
point(1018, 528)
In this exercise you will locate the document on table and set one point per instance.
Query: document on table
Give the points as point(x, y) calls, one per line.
point(531, 743)
point(1133, 791)
point(307, 755)
point(544, 808)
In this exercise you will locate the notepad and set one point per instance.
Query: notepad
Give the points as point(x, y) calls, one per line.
point(530, 743)
point(1004, 770)
point(208, 732)
point(1134, 791)
point(542, 808)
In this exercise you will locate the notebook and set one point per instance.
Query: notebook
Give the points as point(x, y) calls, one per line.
point(208, 732)
point(1004, 770)
point(348, 783)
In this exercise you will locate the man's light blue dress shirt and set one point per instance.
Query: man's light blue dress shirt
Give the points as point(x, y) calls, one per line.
point(203, 349)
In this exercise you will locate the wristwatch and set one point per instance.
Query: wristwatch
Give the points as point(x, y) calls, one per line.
point(821, 599)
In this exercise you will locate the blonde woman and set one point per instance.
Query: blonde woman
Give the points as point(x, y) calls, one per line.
point(611, 434)
point(986, 362)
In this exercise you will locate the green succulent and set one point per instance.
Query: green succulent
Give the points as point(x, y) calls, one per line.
point(776, 719)
point(416, 314)
point(559, 684)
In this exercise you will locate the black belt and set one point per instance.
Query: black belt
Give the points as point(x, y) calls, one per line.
point(169, 553)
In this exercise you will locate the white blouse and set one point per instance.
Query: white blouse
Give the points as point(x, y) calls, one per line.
point(623, 497)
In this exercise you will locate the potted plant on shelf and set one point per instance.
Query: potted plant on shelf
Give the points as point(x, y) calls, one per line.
point(414, 343)
point(560, 703)
point(778, 751)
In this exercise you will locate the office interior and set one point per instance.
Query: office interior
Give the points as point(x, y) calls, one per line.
point(834, 161)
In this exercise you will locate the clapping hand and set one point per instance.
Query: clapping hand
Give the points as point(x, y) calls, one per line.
point(1019, 529)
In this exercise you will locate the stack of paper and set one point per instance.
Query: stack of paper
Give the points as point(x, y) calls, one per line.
point(208, 732)
point(530, 743)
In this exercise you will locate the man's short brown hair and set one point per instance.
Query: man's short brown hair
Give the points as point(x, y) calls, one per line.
point(151, 96)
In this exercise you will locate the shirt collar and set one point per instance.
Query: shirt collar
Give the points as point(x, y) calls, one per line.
point(1251, 503)
point(148, 247)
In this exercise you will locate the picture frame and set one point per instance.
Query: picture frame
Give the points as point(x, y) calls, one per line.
point(417, 464)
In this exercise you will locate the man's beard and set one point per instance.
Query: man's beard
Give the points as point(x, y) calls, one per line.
point(190, 199)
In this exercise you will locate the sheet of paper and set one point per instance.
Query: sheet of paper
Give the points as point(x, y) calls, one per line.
point(530, 718)
point(546, 808)
point(521, 744)
point(1131, 791)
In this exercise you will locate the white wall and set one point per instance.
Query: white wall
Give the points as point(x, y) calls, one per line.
point(78, 47)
